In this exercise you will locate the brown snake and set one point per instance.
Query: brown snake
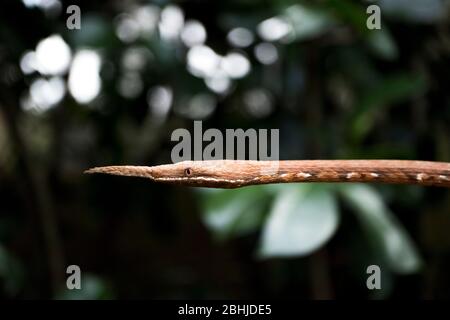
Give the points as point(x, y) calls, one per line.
point(239, 173)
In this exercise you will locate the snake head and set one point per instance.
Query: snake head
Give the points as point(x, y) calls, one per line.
point(209, 173)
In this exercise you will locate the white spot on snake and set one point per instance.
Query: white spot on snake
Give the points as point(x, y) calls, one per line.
point(351, 175)
point(375, 175)
point(442, 177)
point(304, 175)
point(421, 176)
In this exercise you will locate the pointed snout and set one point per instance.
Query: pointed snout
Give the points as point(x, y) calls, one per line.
point(128, 171)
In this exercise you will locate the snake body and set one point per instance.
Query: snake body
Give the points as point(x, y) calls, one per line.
point(239, 173)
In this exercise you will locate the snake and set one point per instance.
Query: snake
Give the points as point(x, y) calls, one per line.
point(240, 173)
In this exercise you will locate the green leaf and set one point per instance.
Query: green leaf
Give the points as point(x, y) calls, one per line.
point(307, 22)
point(385, 232)
point(302, 219)
point(234, 212)
point(382, 44)
point(350, 13)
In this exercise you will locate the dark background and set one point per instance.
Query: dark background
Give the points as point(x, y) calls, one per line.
point(335, 90)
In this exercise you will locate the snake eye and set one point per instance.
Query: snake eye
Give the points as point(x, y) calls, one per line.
point(187, 171)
